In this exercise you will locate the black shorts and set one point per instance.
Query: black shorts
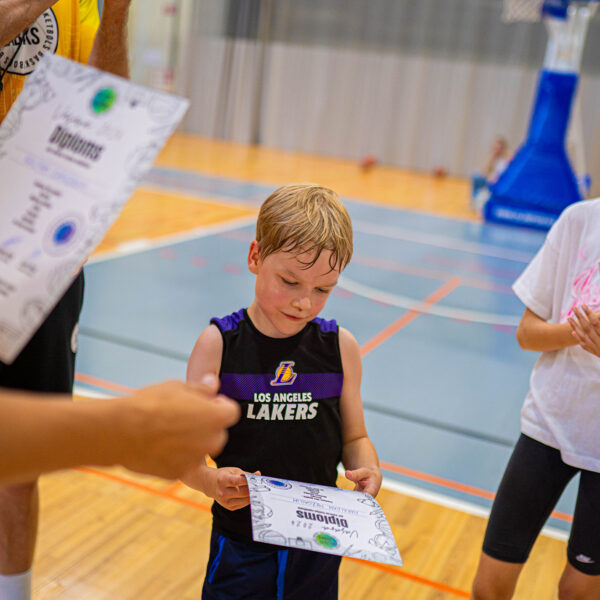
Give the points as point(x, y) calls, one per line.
point(239, 570)
point(47, 363)
point(530, 488)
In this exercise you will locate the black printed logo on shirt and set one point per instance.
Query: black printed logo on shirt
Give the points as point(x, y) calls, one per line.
point(26, 50)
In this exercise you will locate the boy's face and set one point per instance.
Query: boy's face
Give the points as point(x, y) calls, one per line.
point(287, 295)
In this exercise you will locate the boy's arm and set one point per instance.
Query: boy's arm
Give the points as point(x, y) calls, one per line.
point(358, 455)
point(538, 335)
point(228, 485)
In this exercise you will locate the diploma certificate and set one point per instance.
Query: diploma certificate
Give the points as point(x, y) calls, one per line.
point(320, 518)
point(73, 148)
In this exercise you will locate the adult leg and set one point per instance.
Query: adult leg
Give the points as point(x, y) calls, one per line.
point(46, 364)
point(581, 578)
point(18, 530)
point(533, 481)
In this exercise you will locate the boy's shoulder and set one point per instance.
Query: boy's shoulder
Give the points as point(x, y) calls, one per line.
point(229, 322)
point(326, 325)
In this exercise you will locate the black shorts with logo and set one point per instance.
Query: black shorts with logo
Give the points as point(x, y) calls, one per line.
point(530, 488)
point(47, 363)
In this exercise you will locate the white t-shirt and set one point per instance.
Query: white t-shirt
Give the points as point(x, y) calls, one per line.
point(562, 408)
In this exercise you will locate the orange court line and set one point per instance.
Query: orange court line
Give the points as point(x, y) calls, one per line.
point(169, 495)
point(107, 385)
point(409, 316)
point(173, 488)
point(442, 587)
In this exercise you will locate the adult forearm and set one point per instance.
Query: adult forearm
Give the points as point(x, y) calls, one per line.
point(540, 336)
point(46, 435)
point(109, 52)
point(17, 15)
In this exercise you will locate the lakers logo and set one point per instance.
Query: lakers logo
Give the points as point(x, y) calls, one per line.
point(284, 374)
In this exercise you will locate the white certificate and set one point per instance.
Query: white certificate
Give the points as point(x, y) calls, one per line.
point(73, 148)
point(320, 518)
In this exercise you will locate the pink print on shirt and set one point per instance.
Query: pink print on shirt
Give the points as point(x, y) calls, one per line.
point(585, 291)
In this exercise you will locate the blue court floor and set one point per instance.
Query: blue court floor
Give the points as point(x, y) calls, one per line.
point(442, 395)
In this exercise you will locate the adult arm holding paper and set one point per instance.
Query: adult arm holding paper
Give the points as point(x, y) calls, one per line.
point(109, 52)
point(18, 15)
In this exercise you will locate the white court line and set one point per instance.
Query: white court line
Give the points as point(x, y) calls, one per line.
point(143, 245)
point(89, 393)
point(441, 241)
point(417, 305)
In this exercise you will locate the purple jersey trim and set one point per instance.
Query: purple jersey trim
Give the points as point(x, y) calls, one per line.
point(326, 326)
point(230, 321)
point(244, 386)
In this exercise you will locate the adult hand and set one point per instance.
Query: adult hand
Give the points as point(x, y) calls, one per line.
point(167, 429)
point(586, 329)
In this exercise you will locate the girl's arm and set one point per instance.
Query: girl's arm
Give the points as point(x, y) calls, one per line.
point(586, 329)
point(538, 335)
point(358, 455)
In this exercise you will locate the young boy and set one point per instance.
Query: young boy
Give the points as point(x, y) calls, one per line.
point(297, 380)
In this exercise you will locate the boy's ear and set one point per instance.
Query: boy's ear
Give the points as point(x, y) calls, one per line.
point(253, 257)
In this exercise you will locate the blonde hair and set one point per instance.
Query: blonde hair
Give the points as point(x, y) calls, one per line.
point(305, 217)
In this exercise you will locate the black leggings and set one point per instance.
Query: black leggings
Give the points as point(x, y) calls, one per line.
point(530, 488)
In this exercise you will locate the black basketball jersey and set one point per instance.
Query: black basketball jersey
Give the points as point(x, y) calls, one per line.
point(289, 394)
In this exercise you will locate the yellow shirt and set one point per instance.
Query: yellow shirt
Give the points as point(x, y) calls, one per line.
point(67, 28)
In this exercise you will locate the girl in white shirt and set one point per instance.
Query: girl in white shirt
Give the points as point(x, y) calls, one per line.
point(560, 419)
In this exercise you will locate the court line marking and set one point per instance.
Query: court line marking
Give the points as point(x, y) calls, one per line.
point(440, 241)
point(169, 494)
point(408, 317)
point(426, 273)
point(139, 245)
point(405, 471)
point(459, 314)
point(441, 587)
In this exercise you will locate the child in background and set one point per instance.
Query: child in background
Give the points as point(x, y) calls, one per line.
point(560, 419)
point(297, 380)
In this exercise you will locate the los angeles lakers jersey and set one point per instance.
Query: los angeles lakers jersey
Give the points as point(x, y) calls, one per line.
point(67, 28)
point(289, 394)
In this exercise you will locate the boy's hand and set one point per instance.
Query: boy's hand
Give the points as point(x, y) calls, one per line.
point(366, 479)
point(586, 329)
point(229, 487)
